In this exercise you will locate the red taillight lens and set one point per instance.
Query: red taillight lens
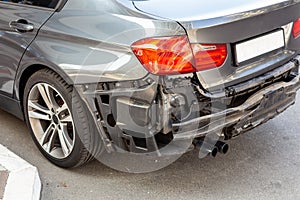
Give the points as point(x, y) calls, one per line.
point(208, 56)
point(175, 55)
point(296, 28)
point(165, 55)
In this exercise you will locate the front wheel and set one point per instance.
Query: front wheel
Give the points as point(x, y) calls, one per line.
point(49, 103)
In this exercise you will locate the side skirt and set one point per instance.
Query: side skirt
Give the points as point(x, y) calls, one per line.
point(11, 106)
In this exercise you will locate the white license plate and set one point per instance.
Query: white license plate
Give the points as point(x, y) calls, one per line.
point(259, 46)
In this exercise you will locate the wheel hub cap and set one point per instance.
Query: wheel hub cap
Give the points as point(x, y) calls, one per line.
point(55, 119)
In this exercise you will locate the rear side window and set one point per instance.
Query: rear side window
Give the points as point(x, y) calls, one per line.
point(40, 3)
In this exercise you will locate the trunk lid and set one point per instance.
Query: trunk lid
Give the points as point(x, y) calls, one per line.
point(191, 10)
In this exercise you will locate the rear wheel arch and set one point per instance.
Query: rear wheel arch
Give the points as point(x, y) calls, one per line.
point(26, 73)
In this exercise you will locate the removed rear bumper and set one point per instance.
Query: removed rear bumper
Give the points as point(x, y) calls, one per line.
point(138, 116)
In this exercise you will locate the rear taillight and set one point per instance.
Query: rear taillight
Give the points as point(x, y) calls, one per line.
point(296, 28)
point(209, 56)
point(165, 55)
point(175, 55)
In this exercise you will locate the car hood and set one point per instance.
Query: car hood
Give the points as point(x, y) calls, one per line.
point(191, 10)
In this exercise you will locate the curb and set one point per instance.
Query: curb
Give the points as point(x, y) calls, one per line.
point(23, 180)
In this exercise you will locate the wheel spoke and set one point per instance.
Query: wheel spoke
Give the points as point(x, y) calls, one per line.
point(66, 135)
point(63, 108)
point(45, 93)
point(38, 107)
point(37, 115)
point(67, 119)
point(65, 143)
point(50, 144)
point(47, 134)
point(64, 114)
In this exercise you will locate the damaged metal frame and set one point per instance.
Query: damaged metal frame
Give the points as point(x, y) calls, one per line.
point(145, 115)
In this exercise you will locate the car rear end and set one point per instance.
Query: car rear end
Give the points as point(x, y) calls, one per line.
point(248, 43)
point(226, 68)
point(236, 67)
point(156, 78)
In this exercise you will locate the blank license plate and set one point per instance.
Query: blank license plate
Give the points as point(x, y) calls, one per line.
point(259, 46)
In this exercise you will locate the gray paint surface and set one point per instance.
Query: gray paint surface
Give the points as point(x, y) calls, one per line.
point(202, 10)
point(14, 43)
point(89, 42)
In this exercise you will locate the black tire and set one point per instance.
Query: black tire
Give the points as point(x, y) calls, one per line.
point(87, 142)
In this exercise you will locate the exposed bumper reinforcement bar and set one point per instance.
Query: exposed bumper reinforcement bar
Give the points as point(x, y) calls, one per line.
point(259, 108)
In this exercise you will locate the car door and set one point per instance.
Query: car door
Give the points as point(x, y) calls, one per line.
point(20, 21)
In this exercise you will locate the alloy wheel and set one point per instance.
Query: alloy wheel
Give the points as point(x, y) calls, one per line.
point(51, 120)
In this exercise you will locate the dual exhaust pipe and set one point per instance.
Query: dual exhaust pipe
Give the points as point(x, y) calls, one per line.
point(211, 148)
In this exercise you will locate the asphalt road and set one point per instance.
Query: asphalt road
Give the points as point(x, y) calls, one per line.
point(262, 164)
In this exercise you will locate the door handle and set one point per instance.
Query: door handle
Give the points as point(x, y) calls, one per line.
point(21, 26)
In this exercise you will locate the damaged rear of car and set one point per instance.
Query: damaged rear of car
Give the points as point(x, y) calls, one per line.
point(235, 67)
point(160, 78)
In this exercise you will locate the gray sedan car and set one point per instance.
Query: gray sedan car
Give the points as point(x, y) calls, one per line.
point(146, 77)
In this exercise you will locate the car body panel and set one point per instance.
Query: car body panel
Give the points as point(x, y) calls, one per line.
point(14, 43)
point(97, 51)
point(204, 10)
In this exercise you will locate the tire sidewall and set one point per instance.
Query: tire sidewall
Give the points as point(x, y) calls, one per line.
point(43, 77)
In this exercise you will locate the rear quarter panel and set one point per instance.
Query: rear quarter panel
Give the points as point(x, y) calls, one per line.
point(89, 41)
